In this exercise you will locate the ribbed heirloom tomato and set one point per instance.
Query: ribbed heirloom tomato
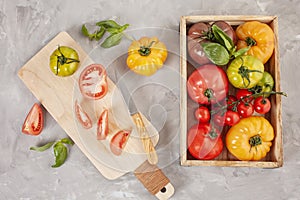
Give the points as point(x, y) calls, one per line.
point(250, 139)
point(207, 84)
point(259, 37)
point(146, 55)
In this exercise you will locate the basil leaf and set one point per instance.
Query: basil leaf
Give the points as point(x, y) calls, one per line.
point(240, 52)
point(60, 153)
point(42, 148)
point(216, 53)
point(112, 40)
point(113, 30)
point(67, 141)
point(108, 24)
point(84, 31)
point(222, 38)
point(99, 34)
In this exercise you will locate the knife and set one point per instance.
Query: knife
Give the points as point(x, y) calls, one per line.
point(136, 116)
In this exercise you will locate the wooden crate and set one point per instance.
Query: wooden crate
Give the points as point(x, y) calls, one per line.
point(275, 156)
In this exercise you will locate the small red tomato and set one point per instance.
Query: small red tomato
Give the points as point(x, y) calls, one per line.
point(202, 114)
point(34, 122)
point(243, 93)
point(102, 129)
point(262, 105)
point(219, 120)
point(231, 118)
point(231, 102)
point(118, 142)
point(245, 109)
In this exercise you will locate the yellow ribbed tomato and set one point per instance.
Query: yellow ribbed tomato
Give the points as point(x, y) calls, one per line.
point(257, 35)
point(146, 55)
point(250, 139)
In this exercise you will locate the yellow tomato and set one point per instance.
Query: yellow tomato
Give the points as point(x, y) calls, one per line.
point(257, 35)
point(250, 139)
point(146, 55)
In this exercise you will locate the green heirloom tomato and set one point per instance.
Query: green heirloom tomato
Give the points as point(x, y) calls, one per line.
point(266, 84)
point(245, 72)
point(64, 61)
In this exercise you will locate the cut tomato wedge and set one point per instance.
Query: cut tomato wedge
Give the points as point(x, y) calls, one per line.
point(102, 129)
point(34, 122)
point(92, 82)
point(82, 116)
point(118, 142)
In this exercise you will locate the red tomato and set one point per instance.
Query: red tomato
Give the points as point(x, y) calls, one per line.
point(219, 120)
point(231, 118)
point(204, 142)
point(245, 109)
point(102, 129)
point(82, 116)
point(92, 82)
point(119, 141)
point(262, 105)
point(230, 102)
point(207, 84)
point(34, 122)
point(202, 114)
point(243, 93)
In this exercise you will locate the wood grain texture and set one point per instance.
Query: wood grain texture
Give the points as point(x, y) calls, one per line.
point(144, 136)
point(56, 94)
point(275, 157)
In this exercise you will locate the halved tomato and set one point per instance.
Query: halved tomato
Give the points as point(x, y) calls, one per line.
point(92, 82)
point(82, 116)
point(102, 129)
point(34, 122)
point(118, 142)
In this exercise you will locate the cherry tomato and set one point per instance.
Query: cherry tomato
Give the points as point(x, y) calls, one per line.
point(230, 102)
point(102, 129)
point(245, 109)
point(219, 120)
point(245, 94)
point(202, 114)
point(204, 142)
point(231, 118)
point(82, 116)
point(64, 61)
point(262, 105)
point(118, 142)
point(92, 82)
point(34, 122)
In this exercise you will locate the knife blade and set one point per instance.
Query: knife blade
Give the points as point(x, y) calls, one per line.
point(136, 116)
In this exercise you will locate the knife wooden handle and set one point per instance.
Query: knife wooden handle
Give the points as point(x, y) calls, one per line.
point(154, 180)
point(147, 143)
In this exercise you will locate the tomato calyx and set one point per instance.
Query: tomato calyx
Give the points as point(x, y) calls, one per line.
point(255, 140)
point(244, 72)
point(209, 93)
point(250, 41)
point(145, 50)
point(62, 59)
point(212, 134)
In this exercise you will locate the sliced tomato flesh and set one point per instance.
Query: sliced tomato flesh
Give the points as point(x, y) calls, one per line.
point(102, 129)
point(93, 82)
point(82, 116)
point(119, 141)
point(34, 122)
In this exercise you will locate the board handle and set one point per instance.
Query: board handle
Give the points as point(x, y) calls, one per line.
point(154, 180)
point(144, 135)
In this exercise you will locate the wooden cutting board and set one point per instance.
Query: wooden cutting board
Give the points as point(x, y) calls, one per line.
point(58, 96)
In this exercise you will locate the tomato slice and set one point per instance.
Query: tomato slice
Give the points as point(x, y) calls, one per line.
point(34, 122)
point(118, 142)
point(82, 116)
point(102, 129)
point(92, 82)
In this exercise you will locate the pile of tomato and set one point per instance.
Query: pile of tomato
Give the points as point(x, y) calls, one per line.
point(227, 59)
